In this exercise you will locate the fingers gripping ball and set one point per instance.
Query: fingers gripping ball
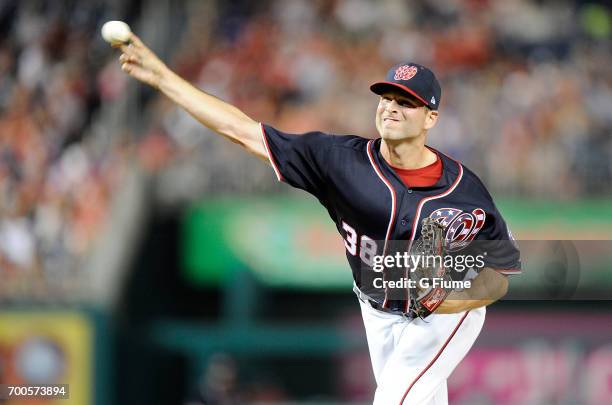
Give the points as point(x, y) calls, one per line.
point(116, 32)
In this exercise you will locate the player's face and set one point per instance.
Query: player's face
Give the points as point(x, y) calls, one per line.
point(400, 116)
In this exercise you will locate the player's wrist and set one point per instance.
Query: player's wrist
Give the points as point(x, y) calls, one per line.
point(167, 80)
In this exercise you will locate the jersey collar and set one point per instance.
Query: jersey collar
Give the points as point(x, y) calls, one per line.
point(450, 170)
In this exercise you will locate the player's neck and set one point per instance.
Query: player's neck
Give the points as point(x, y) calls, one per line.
point(407, 154)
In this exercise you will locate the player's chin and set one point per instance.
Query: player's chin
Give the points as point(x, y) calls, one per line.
point(392, 135)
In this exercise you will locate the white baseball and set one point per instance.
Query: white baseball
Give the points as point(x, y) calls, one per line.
point(116, 32)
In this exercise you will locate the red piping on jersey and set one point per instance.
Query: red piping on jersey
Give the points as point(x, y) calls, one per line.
point(279, 176)
point(433, 197)
point(406, 89)
point(434, 359)
point(391, 190)
point(393, 205)
point(418, 211)
point(420, 207)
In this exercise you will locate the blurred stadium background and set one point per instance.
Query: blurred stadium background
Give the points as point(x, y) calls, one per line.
point(145, 261)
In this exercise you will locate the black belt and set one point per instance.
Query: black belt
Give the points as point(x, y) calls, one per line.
point(377, 305)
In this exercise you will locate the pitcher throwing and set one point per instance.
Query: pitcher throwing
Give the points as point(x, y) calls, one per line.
point(378, 192)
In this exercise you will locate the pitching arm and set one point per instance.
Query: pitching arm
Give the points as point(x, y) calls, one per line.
point(223, 118)
point(486, 288)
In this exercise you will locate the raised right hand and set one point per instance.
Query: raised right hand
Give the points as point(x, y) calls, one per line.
point(140, 62)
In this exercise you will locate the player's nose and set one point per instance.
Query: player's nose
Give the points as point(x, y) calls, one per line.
point(392, 106)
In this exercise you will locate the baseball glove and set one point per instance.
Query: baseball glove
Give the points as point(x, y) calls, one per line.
point(430, 275)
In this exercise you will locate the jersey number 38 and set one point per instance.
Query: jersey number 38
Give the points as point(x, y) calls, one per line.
point(365, 245)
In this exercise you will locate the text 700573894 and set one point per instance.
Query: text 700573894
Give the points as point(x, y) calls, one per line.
point(34, 391)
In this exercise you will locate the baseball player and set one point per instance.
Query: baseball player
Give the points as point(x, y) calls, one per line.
point(377, 192)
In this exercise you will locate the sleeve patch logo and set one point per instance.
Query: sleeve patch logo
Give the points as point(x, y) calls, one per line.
point(405, 72)
point(461, 227)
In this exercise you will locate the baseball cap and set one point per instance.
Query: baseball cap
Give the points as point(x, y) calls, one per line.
point(412, 78)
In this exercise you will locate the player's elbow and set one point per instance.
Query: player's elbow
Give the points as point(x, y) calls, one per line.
point(240, 129)
point(502, 286)
point(504, 289)
point(244, 132)
point(496, 284)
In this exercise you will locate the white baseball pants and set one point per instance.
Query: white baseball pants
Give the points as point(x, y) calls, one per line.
point(412, 359)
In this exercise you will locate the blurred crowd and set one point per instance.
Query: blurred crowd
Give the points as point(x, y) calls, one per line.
point(526, 85)
point(55, 182)
point(526, 102)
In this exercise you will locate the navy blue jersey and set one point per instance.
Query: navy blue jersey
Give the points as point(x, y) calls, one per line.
point(375, 212)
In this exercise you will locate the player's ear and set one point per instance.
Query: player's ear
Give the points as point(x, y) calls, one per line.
point(431, 119)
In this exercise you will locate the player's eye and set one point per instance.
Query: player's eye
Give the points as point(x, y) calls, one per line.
point(410, 104)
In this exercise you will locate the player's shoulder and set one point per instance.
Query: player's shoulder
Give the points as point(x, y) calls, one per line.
point(470, 176)
point(319, 137)
point(355, 142)
point(475, 184)
point(337, 140)
point(470, 181)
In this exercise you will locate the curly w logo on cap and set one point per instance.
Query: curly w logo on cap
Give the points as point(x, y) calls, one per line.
point(414, 79)
point(405, 72)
